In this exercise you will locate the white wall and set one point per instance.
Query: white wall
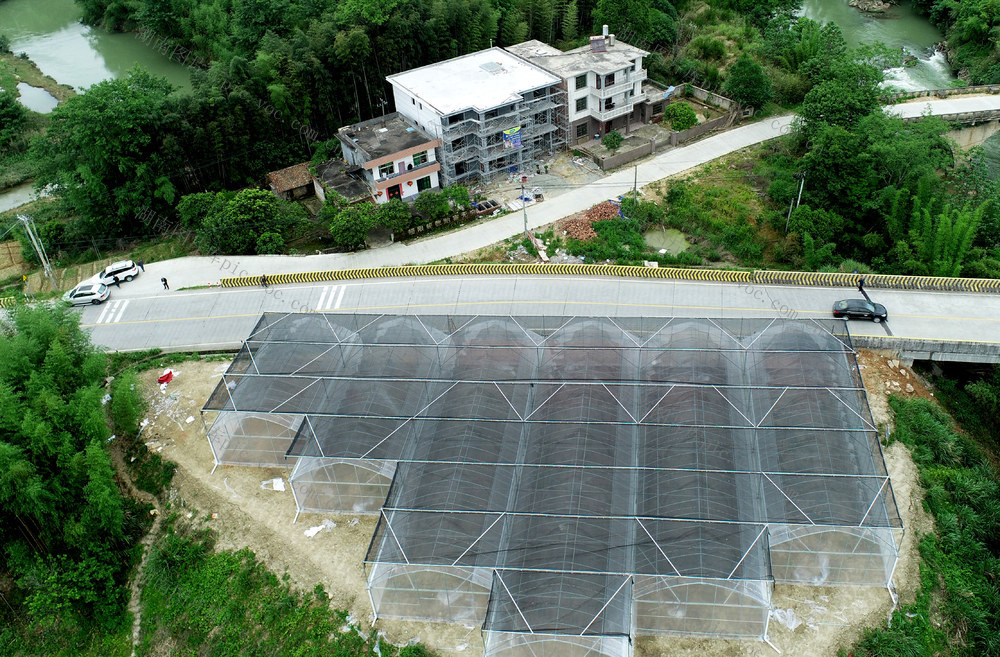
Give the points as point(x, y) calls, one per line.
point(410, 191)
point(414, 109)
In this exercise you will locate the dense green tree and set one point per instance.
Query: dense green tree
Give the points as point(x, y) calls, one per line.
point(106, 155)
point(432, 205)
point(680, 116)
point(612, 141)
point(13, 118)
point(848, 92)
point(570, 21)
point(248, 215)
point(457, 195)
point(622, 18)
point(747, 84)
point(823, 225)
point(64, 527)
point(395, 215)
point(193, 209)
point(349, 225)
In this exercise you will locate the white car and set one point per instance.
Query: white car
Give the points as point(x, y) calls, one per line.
point(94, 293)
point(125, 270)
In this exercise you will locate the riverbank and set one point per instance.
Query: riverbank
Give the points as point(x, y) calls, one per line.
point(14, 69)
point(15, 167)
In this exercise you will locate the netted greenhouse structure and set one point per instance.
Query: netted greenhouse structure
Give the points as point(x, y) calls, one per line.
point(573, 482)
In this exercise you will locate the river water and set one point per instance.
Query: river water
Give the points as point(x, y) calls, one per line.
point(51, 34)
point(899, 28)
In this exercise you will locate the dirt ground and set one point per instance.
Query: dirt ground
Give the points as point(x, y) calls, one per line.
point(245, 510)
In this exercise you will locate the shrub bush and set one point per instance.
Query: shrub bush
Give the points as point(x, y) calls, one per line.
point(432, 205)
point(612, 141)
point(269, 243)
point(127, 404)
point(681, 116)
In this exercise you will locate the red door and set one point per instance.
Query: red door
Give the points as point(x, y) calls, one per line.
point(394, 192)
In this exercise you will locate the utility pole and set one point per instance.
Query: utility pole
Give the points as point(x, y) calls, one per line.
point(795, 202)
point(524, 205)
point(39, 249)
point(635, 184)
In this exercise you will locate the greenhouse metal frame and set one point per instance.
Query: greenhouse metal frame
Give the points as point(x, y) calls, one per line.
point(573, 482)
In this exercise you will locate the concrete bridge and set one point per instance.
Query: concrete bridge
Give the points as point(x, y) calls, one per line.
point(976, 109)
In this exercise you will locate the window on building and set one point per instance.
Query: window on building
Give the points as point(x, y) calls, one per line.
point(421, 105)
point(581, 131)
point(413, 100)
point(581, 81)
point(386, 170)
point(423, 183)
point(657, 108)
point(419, 158)
point(581, 104)
point(609, 80)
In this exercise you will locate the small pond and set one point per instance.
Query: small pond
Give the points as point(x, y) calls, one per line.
point(670, 239)
point(36, 98)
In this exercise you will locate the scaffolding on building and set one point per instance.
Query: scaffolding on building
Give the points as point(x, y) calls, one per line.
point(473, 146)
point(572, 482)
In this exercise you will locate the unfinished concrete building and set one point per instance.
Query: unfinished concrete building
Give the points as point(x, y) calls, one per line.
point(495, 113)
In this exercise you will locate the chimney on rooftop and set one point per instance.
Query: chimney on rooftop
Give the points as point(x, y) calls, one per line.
point(611, 40)
point(604, 31)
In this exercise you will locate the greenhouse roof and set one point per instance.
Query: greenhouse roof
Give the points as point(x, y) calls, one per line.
point(567, 453)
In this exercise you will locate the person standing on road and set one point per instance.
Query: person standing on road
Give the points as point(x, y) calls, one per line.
point(116, 282)
point(142, 265)
point(263, 280)
point(861, 284)
point(166, 286)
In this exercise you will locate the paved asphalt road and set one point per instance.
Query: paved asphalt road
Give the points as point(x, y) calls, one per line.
point(221, 319)
point(194, 271)
point(141, 314)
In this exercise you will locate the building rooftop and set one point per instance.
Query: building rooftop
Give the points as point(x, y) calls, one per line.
point(290, 178)
point(578, 60)
point(348, 181)
point(480, 80)
point(383, 135)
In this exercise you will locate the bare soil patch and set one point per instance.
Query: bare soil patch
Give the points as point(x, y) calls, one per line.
point(236, 504)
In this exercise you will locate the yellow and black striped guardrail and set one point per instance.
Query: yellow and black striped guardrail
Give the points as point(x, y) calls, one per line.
point(624, 271)
point(8, 302)
point(762, 277)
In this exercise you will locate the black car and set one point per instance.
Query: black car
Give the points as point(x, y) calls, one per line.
point(860, 309)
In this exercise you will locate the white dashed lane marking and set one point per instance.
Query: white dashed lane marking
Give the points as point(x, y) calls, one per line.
point(113, 312)
point(328, 294)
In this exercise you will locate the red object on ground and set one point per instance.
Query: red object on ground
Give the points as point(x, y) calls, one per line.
point(166, 378)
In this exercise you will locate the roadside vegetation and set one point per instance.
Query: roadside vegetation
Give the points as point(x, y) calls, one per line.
point(267, 74)
point(957, 610)
point(71, 520)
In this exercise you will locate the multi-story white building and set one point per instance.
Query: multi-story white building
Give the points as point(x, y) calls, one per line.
point(494, 112)
point(603, 83)
point(399, 159)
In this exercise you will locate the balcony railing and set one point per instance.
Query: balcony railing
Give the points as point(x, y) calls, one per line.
point(621, 85)
point(618, 110)
point(417, 167)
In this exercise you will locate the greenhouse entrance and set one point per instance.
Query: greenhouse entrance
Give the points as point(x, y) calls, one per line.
point(570, 483)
